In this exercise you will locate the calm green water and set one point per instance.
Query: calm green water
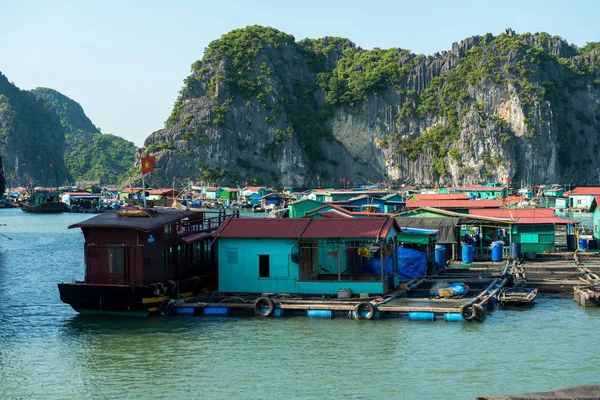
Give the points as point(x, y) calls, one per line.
point(49, 351)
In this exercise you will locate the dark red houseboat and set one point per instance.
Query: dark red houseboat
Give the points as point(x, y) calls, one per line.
point(138, 264)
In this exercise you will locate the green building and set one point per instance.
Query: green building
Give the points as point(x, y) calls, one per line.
point(299, 208)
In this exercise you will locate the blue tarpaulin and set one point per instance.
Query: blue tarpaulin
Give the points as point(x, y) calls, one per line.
point(411, 264)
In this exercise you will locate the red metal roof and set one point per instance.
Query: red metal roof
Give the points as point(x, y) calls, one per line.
point(480, 188)
point(516, 213)
point(544, 220)
point(586, 190)
point(262, 228)
point(348, 228)
point(454, 204)
point(255, 188)
point(441, 196)
point(305, 228)
point(525, 216)
point(132, 190)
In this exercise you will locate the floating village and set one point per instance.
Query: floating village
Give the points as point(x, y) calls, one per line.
point(452, 254)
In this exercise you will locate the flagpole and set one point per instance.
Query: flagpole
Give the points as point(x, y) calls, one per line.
point(144, 190)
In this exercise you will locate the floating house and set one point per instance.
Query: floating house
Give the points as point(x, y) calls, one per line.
point(253, 194)
point(538, 230)
point(362, 202)
point(134, 263)
point(581, 197)
point(440, 196)
point(130, 193)
point(160, 194)
point(340, 195)
point(490, 191)
point(453, 226)
point(393, 203)
point(527, 193)
point(306, 255)
point(553, 191)
point(213, 193)
point(298, 209)
point(462, 206)
point(272, 200)
point(595, 210)
point(228, 194)
point(84, 199)
point(336, 211)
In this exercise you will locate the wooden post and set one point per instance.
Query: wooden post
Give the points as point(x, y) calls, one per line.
point(381, 260)
point(339, 261)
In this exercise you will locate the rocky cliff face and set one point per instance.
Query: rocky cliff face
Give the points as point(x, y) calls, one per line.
point(89, 155)
point(47, 138)
point(31, 138)
point(261, 107)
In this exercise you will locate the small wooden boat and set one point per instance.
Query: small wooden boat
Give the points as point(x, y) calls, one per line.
point(587, 296)
point(44, 202)
point(517, 296)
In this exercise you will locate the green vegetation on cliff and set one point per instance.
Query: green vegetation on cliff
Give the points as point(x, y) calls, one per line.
point(89, 155)
point(428, 109)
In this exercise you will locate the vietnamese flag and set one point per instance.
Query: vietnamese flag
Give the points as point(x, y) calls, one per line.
point(148, 164)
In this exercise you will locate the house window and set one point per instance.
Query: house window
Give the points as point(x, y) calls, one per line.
point(232, 256)
point(263, 266)
point(115, 260)
point(167, 229)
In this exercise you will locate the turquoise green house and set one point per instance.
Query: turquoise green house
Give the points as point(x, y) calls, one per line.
point(299, 208)
point(489, 192)
point(595, 210)
point(305, 255)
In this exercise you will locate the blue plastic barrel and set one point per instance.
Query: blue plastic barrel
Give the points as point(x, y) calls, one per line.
point(278, 312)
point(497, 248)
point(185, 310)
point(515, 250)
point(319, 313)
point(421, 316)
point(451, 317)
point(440, 256)
point(467, 253)
point(571, 242)
point(583, 245)
point(217, 311)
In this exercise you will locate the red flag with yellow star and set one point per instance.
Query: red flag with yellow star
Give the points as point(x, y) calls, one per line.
point(148, 164)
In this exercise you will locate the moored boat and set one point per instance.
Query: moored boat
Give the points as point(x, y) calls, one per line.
point(43, 201)
point(141, 265)
point(516, 296)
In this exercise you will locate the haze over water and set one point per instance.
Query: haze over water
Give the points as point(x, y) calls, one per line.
point(47, 350)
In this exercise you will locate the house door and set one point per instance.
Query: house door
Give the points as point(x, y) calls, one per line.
point(309, 262)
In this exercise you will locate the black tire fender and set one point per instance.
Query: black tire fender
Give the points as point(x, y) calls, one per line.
point(468, 312)
point(364, 306)
point(261, 303)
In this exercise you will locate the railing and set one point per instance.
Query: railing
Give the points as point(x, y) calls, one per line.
point(207, 224)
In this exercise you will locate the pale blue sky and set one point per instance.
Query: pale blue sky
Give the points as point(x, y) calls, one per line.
point(125, 61)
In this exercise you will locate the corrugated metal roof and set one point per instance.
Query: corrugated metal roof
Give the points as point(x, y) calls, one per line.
point(262, 228)
point(348, 228)
point(449, 204)
point(305, 228)
point(195, 237)
point(112, 219)
point(516, 213)
point(441, 196)
point(586, 190)
point(544, 220)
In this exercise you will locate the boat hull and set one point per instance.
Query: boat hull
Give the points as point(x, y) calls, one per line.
point(119, 299)
point(46, 208)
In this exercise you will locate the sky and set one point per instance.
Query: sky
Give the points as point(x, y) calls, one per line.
point(125, 61)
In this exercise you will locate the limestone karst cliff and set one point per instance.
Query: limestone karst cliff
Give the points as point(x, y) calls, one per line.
point(263, 107)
